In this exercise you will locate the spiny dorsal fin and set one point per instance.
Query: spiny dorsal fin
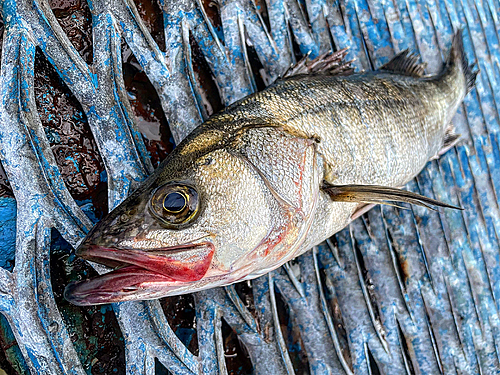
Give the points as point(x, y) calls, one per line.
point(330, 63)
point(375, 194)
point(405, 63)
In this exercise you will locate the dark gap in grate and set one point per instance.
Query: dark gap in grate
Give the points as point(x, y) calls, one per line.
point(261, 7)
point(336, 314)
point(245, 292)
point(295, 267)
point(334, 46)
point(212, 11)
point(11, 359)
point(372, 363)
point(2, 28)
point(236, 354)
point(432, 336)
point(76, 21)
point(401, 264)
point(160, 369)
point(94, 330)
point(303, 7)
point(203, 74)
point(70, 138)
point(7, 229)
point(295, 45)
point(333, 245)
point(181, 316)
point(291, 335)
point(5, 188)
point(405, 352)
point(146, 104)
point(341, 6)
point(366, 219)
point(367, 51)
point(257, 67)
point(368, 282)
point(151, 14)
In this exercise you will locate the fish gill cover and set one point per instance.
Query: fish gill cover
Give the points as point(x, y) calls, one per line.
point(397, 292)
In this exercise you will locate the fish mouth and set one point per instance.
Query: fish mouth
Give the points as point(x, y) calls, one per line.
point(137, 271)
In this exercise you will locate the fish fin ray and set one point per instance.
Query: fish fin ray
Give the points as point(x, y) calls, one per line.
point(457, 56)
point(374, 194)
point(330, 63)
point(405, 63)
point(362, 209)
point(450, 139)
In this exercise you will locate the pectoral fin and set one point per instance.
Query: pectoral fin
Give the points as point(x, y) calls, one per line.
point(374, 194)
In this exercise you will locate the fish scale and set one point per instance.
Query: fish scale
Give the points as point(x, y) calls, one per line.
point(276, 173)
point(345, 100)
point(284, 175)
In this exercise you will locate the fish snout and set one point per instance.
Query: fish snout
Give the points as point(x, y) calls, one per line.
point(139, 271)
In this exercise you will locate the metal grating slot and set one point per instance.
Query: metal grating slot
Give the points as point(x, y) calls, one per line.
point(367, 288)
point(333, 317)
point(405, 353)
point(70, 138)
point(235, 353)
point(292, 337)
point(432, 336)
point(372, 364)
point(94, 330)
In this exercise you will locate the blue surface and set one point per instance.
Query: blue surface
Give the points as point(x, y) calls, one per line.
point(397, 290)
point(7, 232)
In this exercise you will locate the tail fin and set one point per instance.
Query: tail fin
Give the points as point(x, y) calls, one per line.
point(457, 56)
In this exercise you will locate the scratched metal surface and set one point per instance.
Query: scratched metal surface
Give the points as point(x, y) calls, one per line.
point(398, 292)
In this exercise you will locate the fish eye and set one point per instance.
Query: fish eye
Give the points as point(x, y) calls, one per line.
point(175, 204)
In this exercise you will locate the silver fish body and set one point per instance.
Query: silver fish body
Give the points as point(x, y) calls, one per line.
point(255, 185)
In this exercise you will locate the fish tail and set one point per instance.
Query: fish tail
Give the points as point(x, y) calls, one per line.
point(458, 59)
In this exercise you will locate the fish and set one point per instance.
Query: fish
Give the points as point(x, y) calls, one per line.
point(275, 174)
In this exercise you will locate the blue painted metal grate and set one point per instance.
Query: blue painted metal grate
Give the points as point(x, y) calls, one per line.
point(398, 292)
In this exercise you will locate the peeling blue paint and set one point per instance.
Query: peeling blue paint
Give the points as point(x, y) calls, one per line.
point(8, 212)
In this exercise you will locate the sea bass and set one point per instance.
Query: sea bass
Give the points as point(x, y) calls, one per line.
point(273, 175)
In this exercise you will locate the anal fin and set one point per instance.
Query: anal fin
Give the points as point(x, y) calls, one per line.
point(449, 141)
point(375, 194)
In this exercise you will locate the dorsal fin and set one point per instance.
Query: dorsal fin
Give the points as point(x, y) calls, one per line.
point(329, 63)
point(405, 63)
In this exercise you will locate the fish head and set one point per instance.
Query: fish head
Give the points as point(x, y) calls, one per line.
point(196, 222)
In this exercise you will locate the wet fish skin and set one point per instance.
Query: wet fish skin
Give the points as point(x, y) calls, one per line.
point(259, 171)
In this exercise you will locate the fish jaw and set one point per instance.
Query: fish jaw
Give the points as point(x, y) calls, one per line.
point(141, 272)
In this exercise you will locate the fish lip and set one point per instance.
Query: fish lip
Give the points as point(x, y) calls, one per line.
point(139, 270)
point(114, 257)
point(116, 286)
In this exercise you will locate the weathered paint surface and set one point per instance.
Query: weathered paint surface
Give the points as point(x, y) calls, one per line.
point(398, 291)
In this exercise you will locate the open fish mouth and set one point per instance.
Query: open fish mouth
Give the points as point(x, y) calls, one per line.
point(138, 270)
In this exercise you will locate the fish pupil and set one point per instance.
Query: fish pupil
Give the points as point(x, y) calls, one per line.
point(174, 202)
